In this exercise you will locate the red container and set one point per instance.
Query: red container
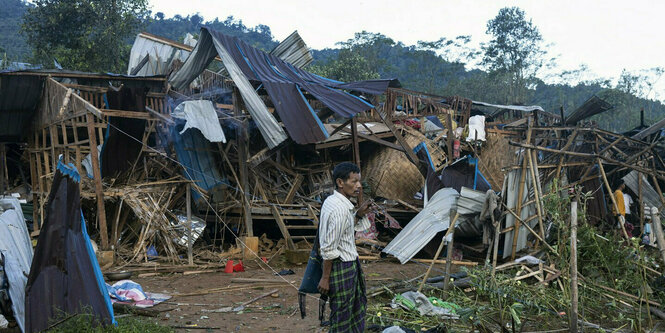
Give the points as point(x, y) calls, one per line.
point(239, 267)
point(229, 266)
point(456, 145)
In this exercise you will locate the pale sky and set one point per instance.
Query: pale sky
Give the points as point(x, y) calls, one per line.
point(606, 35)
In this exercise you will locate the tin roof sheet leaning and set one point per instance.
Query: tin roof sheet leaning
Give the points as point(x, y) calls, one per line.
point(434, 218)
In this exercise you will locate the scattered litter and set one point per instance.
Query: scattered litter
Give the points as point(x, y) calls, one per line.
point(413, 300)
point(130, 292)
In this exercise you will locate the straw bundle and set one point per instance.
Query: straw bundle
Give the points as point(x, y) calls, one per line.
point(495, 155)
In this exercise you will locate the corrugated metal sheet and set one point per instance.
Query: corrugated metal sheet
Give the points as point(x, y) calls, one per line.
point(434, 218)
point(511, 193)
point(294, 51)
point(284, 83)
point(590, 107)
point(523, 108)
point(160, 55)
point(16, 247)
point(470, 201)
point(649, 194)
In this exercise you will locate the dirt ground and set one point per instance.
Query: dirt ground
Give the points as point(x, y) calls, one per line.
point(269, 314)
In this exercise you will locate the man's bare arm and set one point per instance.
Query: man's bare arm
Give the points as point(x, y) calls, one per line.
point(324, 283)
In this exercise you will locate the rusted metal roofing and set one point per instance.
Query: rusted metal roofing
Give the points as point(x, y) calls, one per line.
point(592, 106)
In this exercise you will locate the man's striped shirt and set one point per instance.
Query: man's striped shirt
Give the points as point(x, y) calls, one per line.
point(337, 228)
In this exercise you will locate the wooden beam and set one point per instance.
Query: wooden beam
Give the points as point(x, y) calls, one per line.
point(374, 139)
point(282, 227)
point(659, 174)
point(96, 171)
point(294, 189)
point(400, 139)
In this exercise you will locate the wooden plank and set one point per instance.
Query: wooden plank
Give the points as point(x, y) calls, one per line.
point(129, 114)
point(371, 137)
point(101, 212)
point(294, 189)
point(282, 228)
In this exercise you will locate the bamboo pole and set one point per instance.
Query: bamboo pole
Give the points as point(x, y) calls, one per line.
point(640, 200)
point(573, 266)
point(449, 259)
point(190, 257)
point(438, 252)
point(535, 180)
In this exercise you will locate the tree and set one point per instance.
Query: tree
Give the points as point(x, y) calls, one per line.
point(87, 35)
point(349, 66)
point(515, 53)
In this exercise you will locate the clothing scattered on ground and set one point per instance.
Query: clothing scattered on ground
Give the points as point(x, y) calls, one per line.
point(413, 300)
point(130, 292)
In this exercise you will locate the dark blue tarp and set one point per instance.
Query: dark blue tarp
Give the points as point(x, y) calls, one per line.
point(65, 278)
point(195, 154)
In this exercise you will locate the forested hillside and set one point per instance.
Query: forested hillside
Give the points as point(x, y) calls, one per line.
point(11, 43)
point(438, 67)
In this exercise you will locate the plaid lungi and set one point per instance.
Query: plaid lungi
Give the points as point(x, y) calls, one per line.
point(347, 297)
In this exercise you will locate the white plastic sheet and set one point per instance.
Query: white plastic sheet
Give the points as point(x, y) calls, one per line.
point(16, 248)
point(476, 128)
point(200, 114)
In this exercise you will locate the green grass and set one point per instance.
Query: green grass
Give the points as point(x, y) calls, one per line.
point(84, 324)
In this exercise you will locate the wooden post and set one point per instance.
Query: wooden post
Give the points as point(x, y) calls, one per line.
point(97, 174)
point(573, 266)
point(535, 179)
point(3, 163)
point(243, 148)
point(356, 150)
point(449, 258)
point(438, 252)
point(640, 201)
point(658, 228)
point(451, 136)
point(497, 234)
point(190, 257)
point(520, 192)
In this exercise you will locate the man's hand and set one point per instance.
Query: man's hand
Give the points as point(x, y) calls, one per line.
point(324, 286)
point(364, 208)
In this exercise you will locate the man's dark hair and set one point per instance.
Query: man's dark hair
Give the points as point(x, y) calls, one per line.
point(343, 171)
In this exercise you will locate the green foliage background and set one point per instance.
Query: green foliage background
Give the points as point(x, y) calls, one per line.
point(439, 67)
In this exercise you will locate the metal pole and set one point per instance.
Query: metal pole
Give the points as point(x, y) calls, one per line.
point(573, 266)
point(190, 257)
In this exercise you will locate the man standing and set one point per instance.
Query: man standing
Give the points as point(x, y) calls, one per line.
point(342, 279)
point(618, 196)
point(621, 214)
